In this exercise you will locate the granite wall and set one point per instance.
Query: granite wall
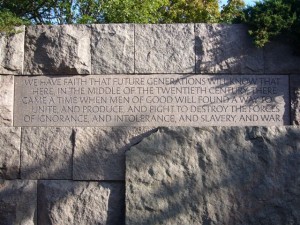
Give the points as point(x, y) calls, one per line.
point(173, 175)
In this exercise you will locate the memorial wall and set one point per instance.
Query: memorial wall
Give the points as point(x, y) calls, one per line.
point(148, 124)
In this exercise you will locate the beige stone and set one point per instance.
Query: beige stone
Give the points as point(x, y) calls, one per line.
point(18, 202)
point(10, 139)
point(46, 153)
point(63, 49)
point(152, 100)
point(295, 99)
point(214, 175)
point(100, 152)
point(112, 48)
point(164, 48)
point(6, 100)
point(223, 48)
point(280, 58)
point(68, 203)
point(12, 52)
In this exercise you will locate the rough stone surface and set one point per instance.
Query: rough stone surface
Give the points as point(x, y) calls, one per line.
point(164, 48)
point(89, 203)
point(100, 152)
point(215, 175)
point(18, 202)
point(12, 52)
point(224, 48)
point(57, 50)
point(279, 58)
point(6, 100)
point(46, 153)
point(112, 48)
point(10, 138)
point(295, 99)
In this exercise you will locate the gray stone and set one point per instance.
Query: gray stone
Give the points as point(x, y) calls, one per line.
point(10, 139)
point(295, 99)
point(100, 152)
point(164, 48)
point(112, 48)
point(6, 100)
point(12, 52)
point(279, 58)
point(18, 202)
point(46, 153)
point(152, 100)
point(57, 50)
point(215, 175)
point(89, 203)
point(222, 48)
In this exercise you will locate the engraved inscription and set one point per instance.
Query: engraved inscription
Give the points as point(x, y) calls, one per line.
point(151, 100)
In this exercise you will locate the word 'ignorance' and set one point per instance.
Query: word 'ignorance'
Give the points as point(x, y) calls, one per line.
point(151, 100)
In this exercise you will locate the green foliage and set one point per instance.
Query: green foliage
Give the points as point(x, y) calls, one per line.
point(113, 11)
point(38, 11)
point(8, 22)
point(55, 11)
point(191, 11)
point(232, 12)
point(88, 11)
point(270, 18)
point(160, 11)
point(133, 11)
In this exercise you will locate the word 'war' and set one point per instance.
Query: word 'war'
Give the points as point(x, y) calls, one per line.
point(152, 100)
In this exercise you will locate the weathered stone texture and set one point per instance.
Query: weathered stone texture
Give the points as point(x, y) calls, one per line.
point(6, 100)
point(295, 99)
point(10, 138)
point(89, 203)
point(112, 48)
point(57, 50)
point(164, 48)
point(12, 52)
point(224, 48)
point(100, 152)
point(215, 175)
point(18, 202)
point(46, 153)
point(279, 58)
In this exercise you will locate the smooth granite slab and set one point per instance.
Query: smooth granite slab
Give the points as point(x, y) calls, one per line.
point(152, 100)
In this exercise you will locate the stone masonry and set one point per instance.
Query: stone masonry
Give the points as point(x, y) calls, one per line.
point(158, 175)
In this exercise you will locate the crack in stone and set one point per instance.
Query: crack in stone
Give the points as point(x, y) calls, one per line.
point(139, 138)
point(73, 139)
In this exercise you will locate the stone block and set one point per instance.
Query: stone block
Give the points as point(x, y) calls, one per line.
point(295, 99)
point(10, 139)
point(57, 50)
point(68, 202)
point(46, 153)
point(279, 58)
point(215, 175)
point(222, 48)
point(18, 202)
point(112, 48)
point(100, 152)
point(12, 52)
point(164, 48)
point(6, 100)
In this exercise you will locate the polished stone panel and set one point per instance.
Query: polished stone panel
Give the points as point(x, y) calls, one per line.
point(152, 100)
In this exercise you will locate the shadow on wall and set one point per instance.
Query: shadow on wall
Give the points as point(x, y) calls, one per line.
point(225, 175)
point(250, 100)
point(226, 49)
point(79, 173)
point(238, 175)
point(221, 174)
